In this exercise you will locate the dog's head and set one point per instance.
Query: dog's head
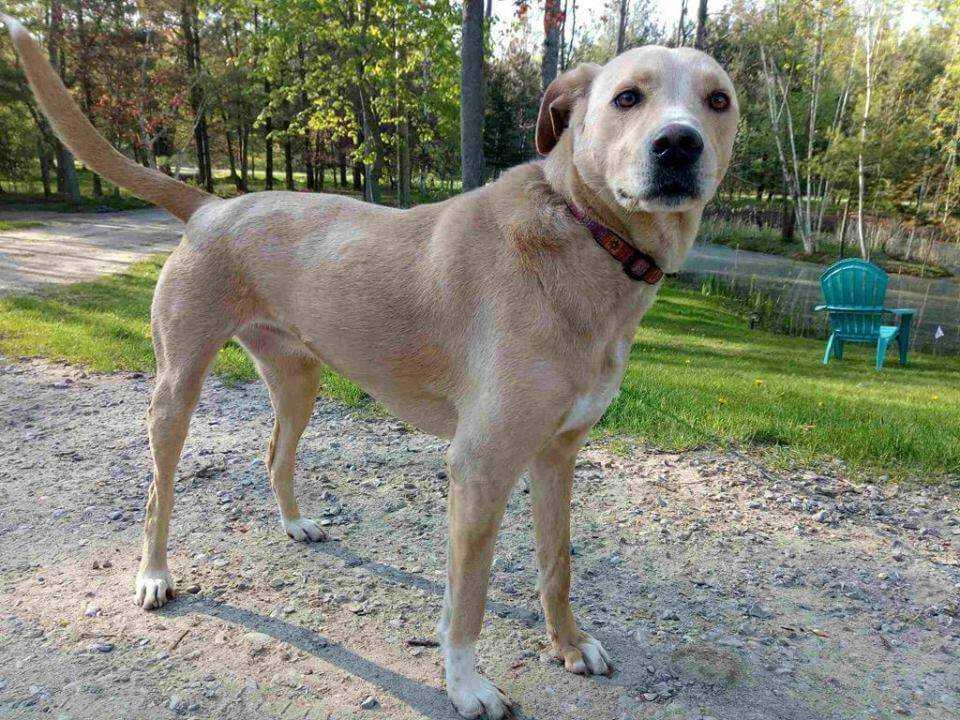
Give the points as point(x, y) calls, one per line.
point(650, 132)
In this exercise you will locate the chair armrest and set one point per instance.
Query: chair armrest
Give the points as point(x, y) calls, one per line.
point(899, 312)
point(871, 310)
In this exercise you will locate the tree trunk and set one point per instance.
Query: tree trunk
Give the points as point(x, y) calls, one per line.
point(304, 101)
point(562, 62)
point(681, 31)
point(371, 172)
point(189, 26)
point(43, 154)
point(471, 95)
point(552, 17)
point(788, 221)
point(308, 163)
point(342, 162)
point(791, 178)
point(869, 45)
point(622, 27)
point(358, 177)
point(405, 168)
point(67, 184)
point(245, 157)
point(321, 166)
point(233, 163)
point(701, 40)
point(268, 143)
point(85, 84)
point(573, 34)
point(288, 163)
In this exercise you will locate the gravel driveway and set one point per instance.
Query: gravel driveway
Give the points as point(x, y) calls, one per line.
point(72, 247)
point(721, 589)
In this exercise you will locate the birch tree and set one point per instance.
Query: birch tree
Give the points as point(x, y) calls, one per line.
point(872, 25)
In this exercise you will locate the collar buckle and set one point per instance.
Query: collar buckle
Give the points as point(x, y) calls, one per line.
point(637, 265)
point(642, 268)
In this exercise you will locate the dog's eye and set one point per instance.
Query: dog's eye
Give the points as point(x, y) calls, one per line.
point(627, 99)
point(718, 101)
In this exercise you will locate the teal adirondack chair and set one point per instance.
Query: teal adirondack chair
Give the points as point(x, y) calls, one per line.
point(854, 291)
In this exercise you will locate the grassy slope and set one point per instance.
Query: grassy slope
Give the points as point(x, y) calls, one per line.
point(16, 224)
point(697, 376)
point(767, 240)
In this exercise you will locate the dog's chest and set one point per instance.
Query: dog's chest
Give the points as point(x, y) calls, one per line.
point(589, 406)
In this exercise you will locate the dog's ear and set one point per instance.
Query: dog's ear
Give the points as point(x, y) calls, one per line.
point(558, 101)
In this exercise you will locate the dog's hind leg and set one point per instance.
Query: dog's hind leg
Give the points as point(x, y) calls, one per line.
point(293, 380)
point(186, 338)
point(175, 395)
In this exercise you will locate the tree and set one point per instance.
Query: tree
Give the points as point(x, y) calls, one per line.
point(512, 103)
point(552, 21)
point(870, 38)
point(701, 41)
point(471, 95)
point(622, 26)
point(190, 39)
point(67, 184)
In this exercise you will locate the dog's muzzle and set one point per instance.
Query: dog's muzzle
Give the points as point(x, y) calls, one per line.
point(675, 159)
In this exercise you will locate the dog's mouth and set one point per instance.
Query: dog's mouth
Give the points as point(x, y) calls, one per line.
point(673, 187)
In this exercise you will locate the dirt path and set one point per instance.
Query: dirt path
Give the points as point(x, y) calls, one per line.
point(720, 591)
point(69, 248)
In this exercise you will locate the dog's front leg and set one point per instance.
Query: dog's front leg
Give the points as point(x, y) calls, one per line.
point(479, 488)
point(552, 482)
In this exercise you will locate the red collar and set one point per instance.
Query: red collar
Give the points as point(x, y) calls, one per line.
point(636, 264)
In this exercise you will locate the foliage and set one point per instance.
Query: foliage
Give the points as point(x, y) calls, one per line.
point(374, 84)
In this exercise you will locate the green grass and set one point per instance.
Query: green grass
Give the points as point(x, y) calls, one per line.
point(697, 376)
point(16, 224)
point(768, 240)
point(104, 325)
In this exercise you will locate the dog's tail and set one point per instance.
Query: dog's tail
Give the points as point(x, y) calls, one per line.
point(81, 137)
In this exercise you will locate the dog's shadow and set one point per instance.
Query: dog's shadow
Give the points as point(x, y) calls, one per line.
point(429, 701)
point(631, 659)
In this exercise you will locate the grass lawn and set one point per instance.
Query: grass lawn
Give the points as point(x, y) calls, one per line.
point(697, 376)
point(16, 224)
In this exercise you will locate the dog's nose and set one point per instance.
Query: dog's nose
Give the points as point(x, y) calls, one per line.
point(677, 145)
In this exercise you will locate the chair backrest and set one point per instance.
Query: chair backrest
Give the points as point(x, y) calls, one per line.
point(855, 283)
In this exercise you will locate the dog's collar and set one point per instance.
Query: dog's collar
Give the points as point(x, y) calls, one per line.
point(636, 264)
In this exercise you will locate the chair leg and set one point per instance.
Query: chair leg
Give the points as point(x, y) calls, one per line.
point(882, 344)
point(838, 349)
point(903, 341)
point(830, 342)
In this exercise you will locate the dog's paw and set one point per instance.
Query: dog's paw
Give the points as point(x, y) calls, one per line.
point(304, 530)
point(476, 697)
point(153, 589)
point(587, 657)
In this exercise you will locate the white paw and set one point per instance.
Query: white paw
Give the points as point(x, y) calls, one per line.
point(477, 697)
point(304, 530)
point(153, 588)
point(596, 660)
point(472, 694)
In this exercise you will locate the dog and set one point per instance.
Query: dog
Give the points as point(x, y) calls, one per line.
point(501, 318)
